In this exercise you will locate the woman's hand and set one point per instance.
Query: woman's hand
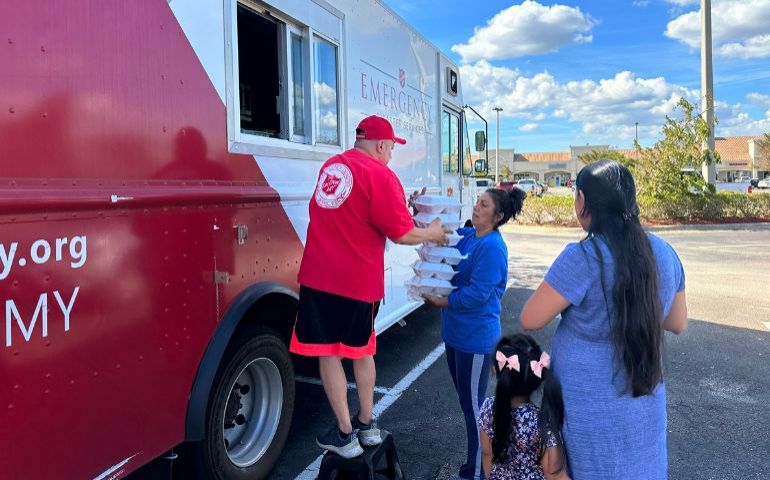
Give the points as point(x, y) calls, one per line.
point(413, 197)
point(440, 302)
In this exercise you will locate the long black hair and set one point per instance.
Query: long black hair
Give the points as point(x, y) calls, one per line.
point(512, 383)
point(637, 331)
point(507, 203)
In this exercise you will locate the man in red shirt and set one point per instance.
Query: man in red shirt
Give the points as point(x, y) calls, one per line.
point(358, 203)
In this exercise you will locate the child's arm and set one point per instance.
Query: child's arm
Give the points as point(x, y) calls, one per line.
point(486, 452)
point(550, 463)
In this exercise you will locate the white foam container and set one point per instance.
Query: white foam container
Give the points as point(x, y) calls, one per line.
point(449, 255)
point(437, 204)
point(441, 271)
point(449, 220)
point(431, 286)
point(454, 239)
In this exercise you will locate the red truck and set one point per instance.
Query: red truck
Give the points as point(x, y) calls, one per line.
point(157, 161)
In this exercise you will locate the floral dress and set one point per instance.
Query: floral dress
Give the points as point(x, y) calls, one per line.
point(524, 452)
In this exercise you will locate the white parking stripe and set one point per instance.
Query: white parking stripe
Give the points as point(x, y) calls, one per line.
point(351, 385)
point(311, 471)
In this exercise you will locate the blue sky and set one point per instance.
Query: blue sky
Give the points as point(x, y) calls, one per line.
point(576, 73)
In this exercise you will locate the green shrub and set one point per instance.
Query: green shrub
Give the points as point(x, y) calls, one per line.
point(716, 208)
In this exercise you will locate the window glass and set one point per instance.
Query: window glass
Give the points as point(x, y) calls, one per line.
point(454, 143)
point(326, 115)
point(445, 141)
point(297, 85)
point(467, 155)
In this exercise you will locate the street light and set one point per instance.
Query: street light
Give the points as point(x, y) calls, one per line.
point(497, 138)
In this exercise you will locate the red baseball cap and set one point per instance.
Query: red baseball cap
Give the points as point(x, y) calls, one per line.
point(377, 128)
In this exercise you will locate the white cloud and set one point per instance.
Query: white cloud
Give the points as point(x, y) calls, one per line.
point(760, 100)
point(754, 47)
point(740, 28)
point(683, 3)
point(326, 95)
point(527, 29)
point(529, 127)
point(329, 120)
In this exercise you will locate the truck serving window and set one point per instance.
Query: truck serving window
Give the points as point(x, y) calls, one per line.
point(259, 79)
point(287, 80)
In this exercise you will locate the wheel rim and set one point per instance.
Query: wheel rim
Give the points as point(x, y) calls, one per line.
point(252, 412)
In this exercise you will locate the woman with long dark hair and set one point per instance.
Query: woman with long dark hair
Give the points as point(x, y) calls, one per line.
point(617, 290)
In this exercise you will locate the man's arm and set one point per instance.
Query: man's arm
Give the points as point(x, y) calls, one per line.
point(433, 233)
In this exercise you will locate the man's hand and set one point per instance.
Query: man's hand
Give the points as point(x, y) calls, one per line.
point(437, 233)
point(440, 302)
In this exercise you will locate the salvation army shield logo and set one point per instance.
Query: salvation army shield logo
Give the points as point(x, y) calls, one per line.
point(334, 186)
point(402, 77)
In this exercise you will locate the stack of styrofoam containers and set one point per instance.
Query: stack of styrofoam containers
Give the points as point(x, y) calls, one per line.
point(433, 272)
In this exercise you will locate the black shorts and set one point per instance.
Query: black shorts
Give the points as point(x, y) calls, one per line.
point(333, 325)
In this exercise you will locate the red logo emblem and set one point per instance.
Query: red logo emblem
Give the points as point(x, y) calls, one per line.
point(334, 186)
point(330, 184)
point(402, 77)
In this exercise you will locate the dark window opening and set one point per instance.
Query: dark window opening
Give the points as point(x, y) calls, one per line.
point(259, 74)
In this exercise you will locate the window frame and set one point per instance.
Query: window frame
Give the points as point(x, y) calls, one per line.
point(338, 78)
point(291, 146)
point(453, 116)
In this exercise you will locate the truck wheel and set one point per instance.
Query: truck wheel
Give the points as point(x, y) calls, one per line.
point(249, 411)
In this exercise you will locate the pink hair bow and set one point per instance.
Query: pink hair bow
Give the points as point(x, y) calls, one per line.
point(512, 362)
point(538, 366)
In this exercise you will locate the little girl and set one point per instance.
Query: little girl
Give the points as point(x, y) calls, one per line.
point(520, 441)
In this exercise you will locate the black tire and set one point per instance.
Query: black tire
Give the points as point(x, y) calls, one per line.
point(209, 458)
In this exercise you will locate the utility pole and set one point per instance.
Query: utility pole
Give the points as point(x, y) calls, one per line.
point(636, 132)
point(497, 138)
point(707, 87)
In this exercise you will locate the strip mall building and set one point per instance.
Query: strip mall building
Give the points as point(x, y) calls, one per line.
point(740, 158)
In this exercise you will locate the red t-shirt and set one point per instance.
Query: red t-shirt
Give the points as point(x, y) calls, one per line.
point(357, 202)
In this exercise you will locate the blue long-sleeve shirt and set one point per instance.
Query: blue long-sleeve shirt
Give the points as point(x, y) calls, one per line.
point(471, 322)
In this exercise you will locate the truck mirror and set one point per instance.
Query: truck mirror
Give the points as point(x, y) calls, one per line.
point(480, 165)
point(481, 141)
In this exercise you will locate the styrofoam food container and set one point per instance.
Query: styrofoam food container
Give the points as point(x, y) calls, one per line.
point(431, 286)
point(449, 220)
point(437, 204)
point(454, 239)
point(442, 271)
point(449, 255)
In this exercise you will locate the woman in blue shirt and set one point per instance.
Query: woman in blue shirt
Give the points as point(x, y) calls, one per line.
point(616, 291)
point(470, 316)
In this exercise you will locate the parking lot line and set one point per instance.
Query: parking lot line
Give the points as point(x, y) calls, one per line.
point(351, 385)
point(311, 471)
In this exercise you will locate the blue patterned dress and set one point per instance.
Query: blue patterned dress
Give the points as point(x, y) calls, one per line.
point(525, 447)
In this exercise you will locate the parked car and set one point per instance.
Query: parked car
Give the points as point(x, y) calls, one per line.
point(571, 183)
point(765, 183)
point(507, 186)
point(530, 186)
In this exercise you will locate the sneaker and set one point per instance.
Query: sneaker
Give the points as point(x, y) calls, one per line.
point(345, 447)
point(368, 435)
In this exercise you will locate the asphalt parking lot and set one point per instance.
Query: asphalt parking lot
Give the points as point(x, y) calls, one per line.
point(717, 372)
